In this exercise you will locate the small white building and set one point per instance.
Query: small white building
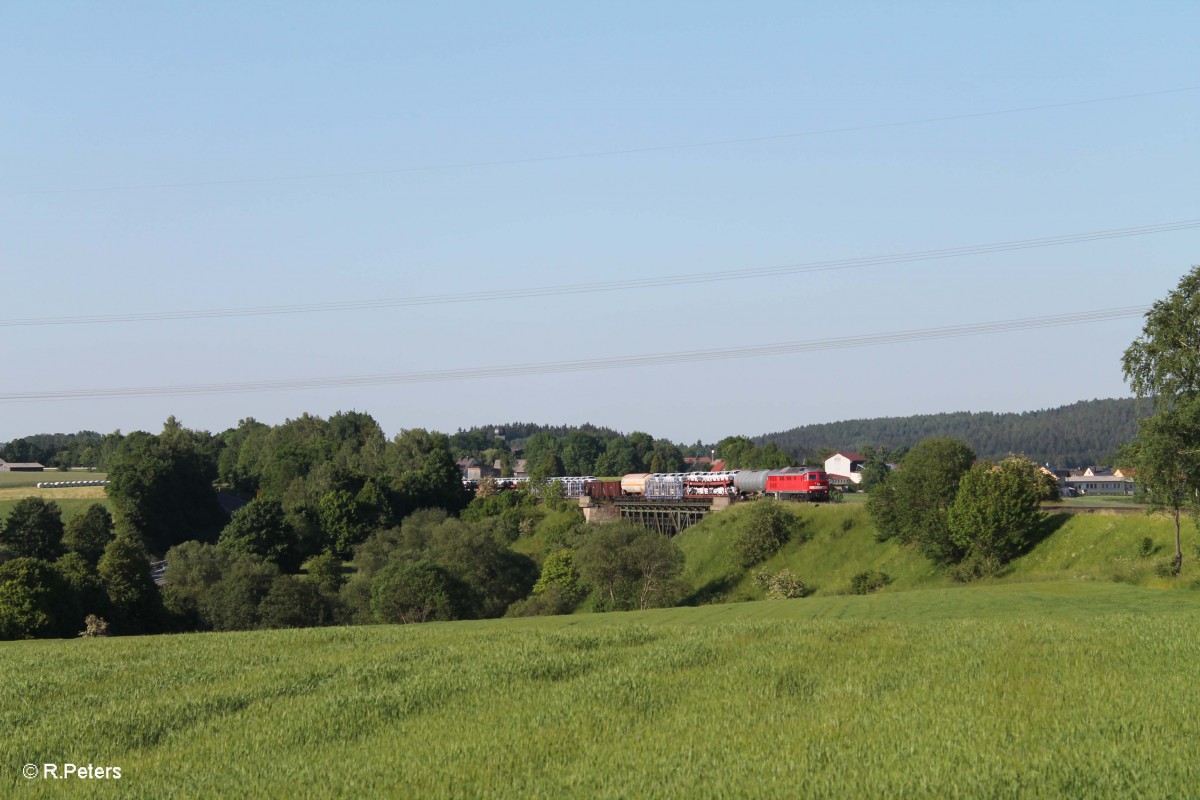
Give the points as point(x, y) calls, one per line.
point(845, 465)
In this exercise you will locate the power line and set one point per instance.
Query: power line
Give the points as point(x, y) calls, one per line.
point(602, 153)
point(610, 286)
point(588, 365)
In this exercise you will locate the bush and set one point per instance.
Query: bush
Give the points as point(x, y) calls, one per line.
point(870, 581)
point(1147, 548)
point(1167, 568)
point(548, 603)
point(415, 591)
point(761, 531)
point(294, 602)
point(94, 627)
point(847, 524)
point(782, 585)
point(34, 600)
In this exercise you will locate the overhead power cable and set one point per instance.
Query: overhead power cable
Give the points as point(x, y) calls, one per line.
point(594, 287)
point(602, 153)
point(589, 364)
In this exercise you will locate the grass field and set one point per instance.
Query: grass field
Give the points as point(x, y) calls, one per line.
point(839, 541)
point(72, 500)
point(1077, 689)
point(70, 506)
point(9, 480)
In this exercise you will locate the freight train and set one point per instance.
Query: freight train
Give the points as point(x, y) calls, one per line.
point(790, 483)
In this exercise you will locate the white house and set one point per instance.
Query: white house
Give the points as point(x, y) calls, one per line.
point(846, 466)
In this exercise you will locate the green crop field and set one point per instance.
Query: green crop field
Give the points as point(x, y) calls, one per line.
point(1057, 689)
point(70, 506)
point(24, 479)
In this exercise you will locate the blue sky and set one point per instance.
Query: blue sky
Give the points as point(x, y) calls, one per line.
point(98, 96)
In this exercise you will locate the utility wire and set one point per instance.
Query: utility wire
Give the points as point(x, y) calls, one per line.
point(590, 364)
point(609, 286)
point(602, 153)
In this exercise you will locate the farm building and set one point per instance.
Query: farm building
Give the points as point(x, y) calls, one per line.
point(7, 466)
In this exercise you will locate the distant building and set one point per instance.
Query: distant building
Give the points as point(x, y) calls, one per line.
point(1100, 480)
point(845, 465)
point(472, 470)
point(13, 466)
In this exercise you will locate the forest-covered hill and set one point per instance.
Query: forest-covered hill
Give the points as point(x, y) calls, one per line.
point(1076, 435)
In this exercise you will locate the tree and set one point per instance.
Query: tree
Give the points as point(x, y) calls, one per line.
point(341, 521)
point(34, 529)
point(629, 567)
point(580, 451)
point(915, 508)
point(89, 533)
point(1163, 364)
point(995, 512)
point(31, 600)
point(325, 570)
point(84, 587)
point(293, 602)
point(1165, 457)
point(161, 486)
point(423, 472)
point(233, 602)
point(875, 469)
point(665, 457)
point(414, 591)
point(124, 570)
point(260, 528)
point(559, 572)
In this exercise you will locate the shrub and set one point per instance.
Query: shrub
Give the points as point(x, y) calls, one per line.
point(548, 603)
point(870, 581)
point(847, 524)
point(761, 531)
point(1166, 568)
point(782, 585)
point(293, 602)
point(1147, 548)
point(94, 627)
point(415, 591)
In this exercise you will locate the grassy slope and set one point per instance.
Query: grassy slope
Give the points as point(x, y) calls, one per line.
point(1076, 689)
point(1077, 547)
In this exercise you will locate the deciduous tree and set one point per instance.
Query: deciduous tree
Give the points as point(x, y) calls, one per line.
point(34, 529)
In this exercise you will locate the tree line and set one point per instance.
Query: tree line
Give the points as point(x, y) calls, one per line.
point(342, 526)
point(1081, 434)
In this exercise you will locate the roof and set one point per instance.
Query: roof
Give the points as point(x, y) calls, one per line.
point(851, 456)
point(20, 464)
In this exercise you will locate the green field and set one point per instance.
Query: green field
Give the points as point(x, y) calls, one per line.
point(70, 506)
point(10, 480)
point(837, 541)
point(1055, 689)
